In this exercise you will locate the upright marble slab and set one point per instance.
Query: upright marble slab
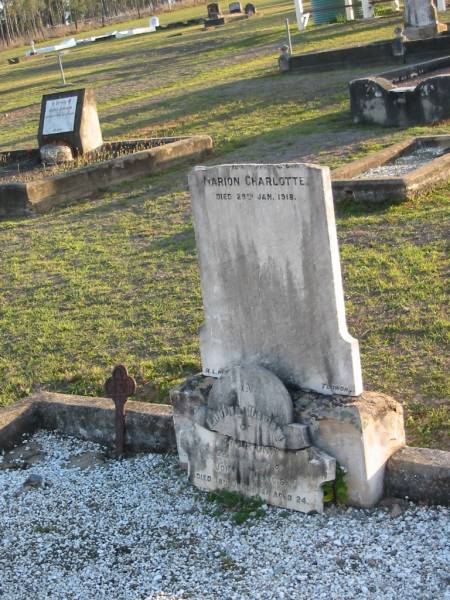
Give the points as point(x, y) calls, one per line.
point(270, 275)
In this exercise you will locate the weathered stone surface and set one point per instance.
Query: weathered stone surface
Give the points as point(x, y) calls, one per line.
point(70, 118)
point(420, 18)
point(270, 275)
point(250, 404)
point(189, 402)
point(250, 386)
point(287, 479)
point(421, 474)
point(419, 13)
point(239, 435)
point(361, 433)
point(54, 154)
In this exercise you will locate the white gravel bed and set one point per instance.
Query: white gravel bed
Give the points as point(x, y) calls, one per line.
point(404, 164)
point(136, 529)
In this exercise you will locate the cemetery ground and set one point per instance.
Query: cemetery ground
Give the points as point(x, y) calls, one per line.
point(114, 278)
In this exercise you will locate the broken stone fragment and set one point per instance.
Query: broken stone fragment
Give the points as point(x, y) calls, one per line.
point(55, 154)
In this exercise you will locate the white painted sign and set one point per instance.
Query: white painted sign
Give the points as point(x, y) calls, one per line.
point(59, 115)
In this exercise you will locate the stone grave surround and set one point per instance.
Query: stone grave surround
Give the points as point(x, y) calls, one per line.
point(275, 316)
point(69, 119)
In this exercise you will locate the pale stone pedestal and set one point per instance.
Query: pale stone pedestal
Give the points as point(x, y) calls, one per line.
point(362, 433)
point(427, 31)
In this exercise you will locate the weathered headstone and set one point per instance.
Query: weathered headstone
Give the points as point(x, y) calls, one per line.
point(245, 440)
point(421, 19)
point(273, 298)
point(213, 10)
point(250, 9)
point(70, 118)
point(270, 274)
point(235, 7)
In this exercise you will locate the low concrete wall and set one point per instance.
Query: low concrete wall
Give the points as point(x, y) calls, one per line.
point(418, 474)
point(378, 52)
point(149, 427)
point(421, 474)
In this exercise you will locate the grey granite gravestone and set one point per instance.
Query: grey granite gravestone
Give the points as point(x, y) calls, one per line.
point(421, 19)
point(245, 440)
point(270, 275)
point(70, 118)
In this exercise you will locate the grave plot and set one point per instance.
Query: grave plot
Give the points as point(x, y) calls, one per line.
point(396, 172)
point(275, 319)
point(74, 162)
point(414, 94)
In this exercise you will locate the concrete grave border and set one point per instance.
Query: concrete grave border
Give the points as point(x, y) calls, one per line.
point(40, 196)
point(373, 53)
point(149, 426)
point(381, 189)
point(421, 474)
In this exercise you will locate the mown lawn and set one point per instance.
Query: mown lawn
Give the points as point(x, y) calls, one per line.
point(115, 278)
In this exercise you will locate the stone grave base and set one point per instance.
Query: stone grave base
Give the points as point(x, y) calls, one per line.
point(284, 478)
point(361, 433)
point(422, 33)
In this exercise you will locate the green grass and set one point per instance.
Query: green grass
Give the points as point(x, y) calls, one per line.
point(115, 279)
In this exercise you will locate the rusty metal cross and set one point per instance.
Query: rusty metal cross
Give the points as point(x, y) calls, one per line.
point(119, 387)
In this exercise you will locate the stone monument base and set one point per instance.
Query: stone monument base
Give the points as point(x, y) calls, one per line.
point(361, 433)
point(422, 33)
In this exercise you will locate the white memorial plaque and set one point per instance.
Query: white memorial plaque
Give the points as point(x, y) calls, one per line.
point(59, 116)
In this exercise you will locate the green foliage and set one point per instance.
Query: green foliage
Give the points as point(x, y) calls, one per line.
point(336, 491)
point(241, 507)
point(340, 18)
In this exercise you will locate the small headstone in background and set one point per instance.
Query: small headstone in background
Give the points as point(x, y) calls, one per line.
point(213, 10)
point(235, 7)
point(154, 22)
point(421, 19)
point(70, 119)
point(250, 9)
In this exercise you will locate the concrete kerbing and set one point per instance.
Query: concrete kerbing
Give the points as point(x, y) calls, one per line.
point(149, 426)
point(42, 195)
point(391, 188)
point(421, 474)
